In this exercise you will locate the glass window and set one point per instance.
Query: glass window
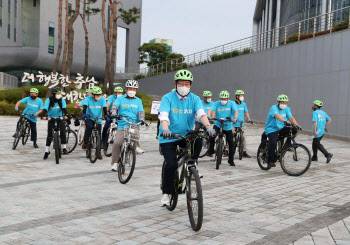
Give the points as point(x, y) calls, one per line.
point(0, 13)
point(51, 37)
point(15, 22)
point(70, 9)
point(88, 13)
point(34, 3)
point(9, 20)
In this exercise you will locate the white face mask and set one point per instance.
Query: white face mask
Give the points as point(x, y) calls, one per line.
point(241, 98)
point(97, 98)
point(58, 96)
point(223, 102)
point(282, 106)
point(118, 95)
point(183, 91)
point(131, 94)
point(208, 100)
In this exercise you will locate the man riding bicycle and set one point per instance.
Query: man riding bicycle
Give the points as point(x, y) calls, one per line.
point(242, 111)
point(118, 91)
point(279, 117)
point(93, 106)
point(207, 103)
point(224, 108)
point(54, 107)
point(128, 106)
point(177, 113)
point(87, 94)
point(34, 106)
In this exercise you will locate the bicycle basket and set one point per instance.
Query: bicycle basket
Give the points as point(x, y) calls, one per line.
point(132, 133)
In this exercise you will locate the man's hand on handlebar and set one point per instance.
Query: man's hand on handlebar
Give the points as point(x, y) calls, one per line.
point(299, 127)
point(211, 131)
point(234, 120)
point(287, 123)
point(167, 133)
point(250, 121)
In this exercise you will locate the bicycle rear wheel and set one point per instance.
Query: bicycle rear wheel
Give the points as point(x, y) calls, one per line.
point(108, 146)
point(205, 147)
point(25, 134)
point(18, 136)
point(295, 159)
point(219, 151)
point(95, 146)
point(240, 145)
point(56, 147)
point(126, 165)
point(72, 140)
point(262, 155)
point(194, 199)
point(81, 133)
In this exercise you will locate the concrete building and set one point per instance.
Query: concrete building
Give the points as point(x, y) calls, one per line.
point(29, 37)
point(8, 81)
point(167, 42)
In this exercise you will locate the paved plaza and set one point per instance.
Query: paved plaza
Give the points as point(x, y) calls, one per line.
point(77, 202)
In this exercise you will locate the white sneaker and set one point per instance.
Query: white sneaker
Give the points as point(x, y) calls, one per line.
point(139, 151)
point(165, 200)
point(114, 167)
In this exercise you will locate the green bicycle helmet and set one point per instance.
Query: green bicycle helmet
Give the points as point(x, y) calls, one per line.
point(118, 90)
point(34, 90)
point(96, 90)
point(224, 94)
point(239, 92)
point(184, 75)
point(318, 103)
point(207, 94)
point(56, 90)
point(88, 91)
point(282, 98)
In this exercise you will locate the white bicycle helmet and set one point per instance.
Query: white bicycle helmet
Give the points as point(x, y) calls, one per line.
point(132, 84)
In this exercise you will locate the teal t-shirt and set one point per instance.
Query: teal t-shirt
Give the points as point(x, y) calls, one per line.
point(321, 118)
point(224, 111)
point(32, 107)
point(206, 106)
point(54, 111)
point(182, 114)
point(94, 108)
point(274, 125)
point(128, 108)
point(242, 109)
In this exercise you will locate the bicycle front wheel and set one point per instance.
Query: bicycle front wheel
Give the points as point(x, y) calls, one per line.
point(17, 138)
point(95, 146)
point(219, 151)
point(56, 147)
point(25, 134)
point(205, 147)
point(295, 159)
point(81, 133)
point(72, 140)
point(126, 165)
point(108, 145)
point(240, 146)
point(194, 199)
point(262, 155)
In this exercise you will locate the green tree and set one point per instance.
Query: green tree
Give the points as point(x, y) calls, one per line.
point(153, 53)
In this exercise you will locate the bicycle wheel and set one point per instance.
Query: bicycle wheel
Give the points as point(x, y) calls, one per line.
point(25, 134)
point(205, 147)
point(219, 151)
point(262, 155)
point(18, 136)
point(108, 145)
point(126, 165)
point(194, 199)
point(240, 145)
point(88, 151)
point(95, 146)
point(56, 147)
point(295, 159)
point(72, 140)
point(81, 133)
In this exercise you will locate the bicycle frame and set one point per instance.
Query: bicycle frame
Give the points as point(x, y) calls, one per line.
point(280, 146)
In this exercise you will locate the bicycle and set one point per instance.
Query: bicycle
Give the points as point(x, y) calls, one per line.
point(239, 139)
point(81, 130)
point(112, 130)
point(127, 157)
point(71, 138)
point(205, 140)
point(220, 145)
point(94, 144)
point(56, 138)
point(295, 159)
point(192, 185)
point(22, 131)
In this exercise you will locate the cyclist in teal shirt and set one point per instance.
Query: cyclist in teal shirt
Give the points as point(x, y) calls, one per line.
point(93, 107)
point(34, 106)
point(320, 121)
point(177, 113)
point(278, 118)
point(207, 104)
point(242, 111)
point(224, 108)
point(55, 106)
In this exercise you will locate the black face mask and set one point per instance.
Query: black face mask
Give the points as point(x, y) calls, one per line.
point(314, 108)
point(33, 97)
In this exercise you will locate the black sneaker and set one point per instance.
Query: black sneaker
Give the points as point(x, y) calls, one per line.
point(272, 164)
point(35, 145)
point(46, 155)
point(314, 159)
point(232, 163)
point(329, 157)
point(64, 151)
point(245, 154)
point(84, 146)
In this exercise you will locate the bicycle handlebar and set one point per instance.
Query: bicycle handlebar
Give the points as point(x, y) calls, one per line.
point(119, 117)
point(189, 135)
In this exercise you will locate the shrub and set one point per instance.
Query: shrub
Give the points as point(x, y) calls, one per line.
point(15, 94)
point(139, 76)
point(341, 26)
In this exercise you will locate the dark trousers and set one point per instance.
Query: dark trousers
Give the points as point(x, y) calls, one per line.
point(33, 133)
point(316, 145)
point(105, 129)
point(230, 141)
point(273, 137)
point(89, 127)
point(50, 127)
point(169, 153)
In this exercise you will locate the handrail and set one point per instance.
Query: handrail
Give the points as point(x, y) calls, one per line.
point(295, 32)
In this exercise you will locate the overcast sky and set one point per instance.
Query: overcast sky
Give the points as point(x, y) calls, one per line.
point(196, 25)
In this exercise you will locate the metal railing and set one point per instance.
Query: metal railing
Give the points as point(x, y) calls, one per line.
point(309, 28)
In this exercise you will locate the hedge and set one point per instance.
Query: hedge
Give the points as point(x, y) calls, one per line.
point(227, 55)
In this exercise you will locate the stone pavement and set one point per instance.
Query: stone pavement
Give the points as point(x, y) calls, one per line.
point(78, 202)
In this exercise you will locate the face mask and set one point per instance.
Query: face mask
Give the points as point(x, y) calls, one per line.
point(241, 98)
point(131, 94)
point(223, 102)
point(118, 95)
point(97, 98)
point(208, 100)
point(183, 91)
point(33, 97)
point(282, 107)
point(314, 108)
point(58, 96)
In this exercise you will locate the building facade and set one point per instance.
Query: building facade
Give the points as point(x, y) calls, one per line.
point(29, 37)
point(167, 42)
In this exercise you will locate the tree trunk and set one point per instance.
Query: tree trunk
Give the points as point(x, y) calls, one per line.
point(86, 65)
point(64, 59)
point(59, 49)
point(114, 47)
point(107, 46)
